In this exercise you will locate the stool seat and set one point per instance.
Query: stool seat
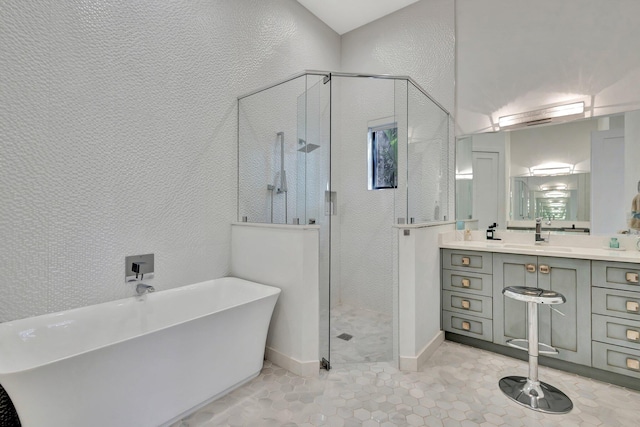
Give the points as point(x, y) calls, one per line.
point(536, 295)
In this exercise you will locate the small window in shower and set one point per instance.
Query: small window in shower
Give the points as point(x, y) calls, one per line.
point(383, 157)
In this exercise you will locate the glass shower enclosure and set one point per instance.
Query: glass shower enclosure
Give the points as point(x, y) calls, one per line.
point(356, 155)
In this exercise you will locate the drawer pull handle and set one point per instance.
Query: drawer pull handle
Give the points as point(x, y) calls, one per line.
point(633, 364)
point(633, 306)
point(466, 304)
point(467, 326)
point(466, 260)
point(531, 268)
point(633, 335)
point(632, 277)
point(466, 283)
point(544, 269)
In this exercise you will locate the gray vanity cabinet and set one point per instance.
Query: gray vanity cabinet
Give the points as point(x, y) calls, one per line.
point(571, 333)
point(616, 317)
point(467, 305)
point(510, 316)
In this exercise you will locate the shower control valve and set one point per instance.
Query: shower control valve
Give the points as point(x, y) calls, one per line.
point(136, 266)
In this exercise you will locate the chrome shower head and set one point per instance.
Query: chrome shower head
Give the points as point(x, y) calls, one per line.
point(306, 148)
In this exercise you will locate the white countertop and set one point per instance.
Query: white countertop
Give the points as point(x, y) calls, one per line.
point(280, 226)
point(578, 247)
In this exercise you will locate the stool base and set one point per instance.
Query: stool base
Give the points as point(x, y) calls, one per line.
point(527, 393)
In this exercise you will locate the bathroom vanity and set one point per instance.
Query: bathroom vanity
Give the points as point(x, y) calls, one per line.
point(597, 330)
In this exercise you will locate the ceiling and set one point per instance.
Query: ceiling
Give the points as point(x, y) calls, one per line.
point(346, 15)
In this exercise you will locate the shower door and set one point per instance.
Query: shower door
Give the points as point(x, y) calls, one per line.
point(314, 157)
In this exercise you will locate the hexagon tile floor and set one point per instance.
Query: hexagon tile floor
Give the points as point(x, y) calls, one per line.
point(458, 388)
point(372, 335)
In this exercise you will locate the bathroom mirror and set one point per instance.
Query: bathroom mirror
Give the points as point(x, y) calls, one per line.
point(513, 176)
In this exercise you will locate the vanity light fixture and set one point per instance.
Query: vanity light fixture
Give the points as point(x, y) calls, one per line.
point(561, 170)
point(555, 194)
point(464, 176)
point(554, 187)
point(544, 115)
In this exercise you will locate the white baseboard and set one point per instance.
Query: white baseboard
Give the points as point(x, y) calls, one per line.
point(304, 369)
point(414, 364)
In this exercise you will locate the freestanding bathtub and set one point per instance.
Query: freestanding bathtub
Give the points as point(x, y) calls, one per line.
point(140, 361)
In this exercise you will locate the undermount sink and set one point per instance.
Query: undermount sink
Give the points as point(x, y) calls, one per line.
point(538, 248)
point(494, 245)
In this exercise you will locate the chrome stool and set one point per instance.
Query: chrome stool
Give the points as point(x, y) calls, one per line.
point(531, 392)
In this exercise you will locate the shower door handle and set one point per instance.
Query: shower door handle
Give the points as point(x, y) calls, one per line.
point(330, 203)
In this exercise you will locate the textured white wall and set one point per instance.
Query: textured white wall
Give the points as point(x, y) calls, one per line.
point(118, 137)
point(519, 55)
point(417, 41)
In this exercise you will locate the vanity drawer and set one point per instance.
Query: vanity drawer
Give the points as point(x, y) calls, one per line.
point(463, 260)
point(616, 331)
point(612, 302)
point(474, 305)
point(612, 358)
point(473, 283)
point(470, 326)
point(616, 275)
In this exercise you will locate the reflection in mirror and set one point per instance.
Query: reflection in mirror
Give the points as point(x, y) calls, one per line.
point(464, 177)
point(577, 175)
point(557, 198)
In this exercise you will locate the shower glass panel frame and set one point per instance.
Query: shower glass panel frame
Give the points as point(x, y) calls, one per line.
point(313, 127)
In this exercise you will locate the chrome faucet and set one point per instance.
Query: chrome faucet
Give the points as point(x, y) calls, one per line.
point(491, 230)
point(142, 289)
point(539, 238)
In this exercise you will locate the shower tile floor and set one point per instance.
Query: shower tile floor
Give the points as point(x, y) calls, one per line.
point(372, 335)
point(458, 387)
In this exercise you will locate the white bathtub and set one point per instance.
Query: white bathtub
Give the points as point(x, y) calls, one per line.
point(140, 361)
